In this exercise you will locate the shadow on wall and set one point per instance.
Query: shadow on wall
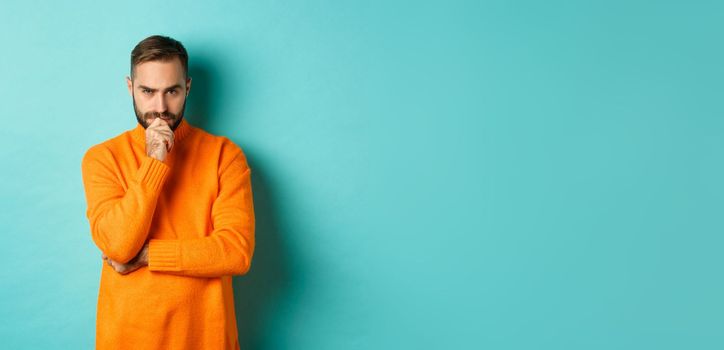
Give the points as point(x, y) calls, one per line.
point(259, 293)
point(262, 292)
point(200, 108)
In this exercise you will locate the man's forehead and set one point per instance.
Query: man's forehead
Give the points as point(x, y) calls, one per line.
point(159, 73)
point(157, 83)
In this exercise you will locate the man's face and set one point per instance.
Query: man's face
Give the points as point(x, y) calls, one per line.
point(159, 90)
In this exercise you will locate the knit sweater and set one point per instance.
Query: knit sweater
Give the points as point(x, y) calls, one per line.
point(195, 211)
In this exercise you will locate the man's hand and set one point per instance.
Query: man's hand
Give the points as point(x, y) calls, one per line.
point(159, 139)
point(136, 263)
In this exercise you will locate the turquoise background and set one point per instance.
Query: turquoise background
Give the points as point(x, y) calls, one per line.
point(433, 175)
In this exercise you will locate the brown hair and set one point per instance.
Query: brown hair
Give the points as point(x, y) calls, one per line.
point(159, 48)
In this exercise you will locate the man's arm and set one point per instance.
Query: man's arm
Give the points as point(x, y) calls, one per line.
point(229, 248)
point(120, 219)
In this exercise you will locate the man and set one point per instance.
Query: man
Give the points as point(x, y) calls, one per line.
point(170, 207)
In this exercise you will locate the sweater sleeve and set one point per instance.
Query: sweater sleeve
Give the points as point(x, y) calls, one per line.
point(229, 248)
point(120, 218)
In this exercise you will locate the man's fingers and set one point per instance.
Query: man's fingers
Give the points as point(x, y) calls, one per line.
point(157, 122)
point(167, 137)
point(166, 133)
point(159, 133)
point(160, 124)
point(116, 266)
point(122, 269)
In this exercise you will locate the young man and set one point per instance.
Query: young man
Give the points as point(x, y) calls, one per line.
point(170, 207)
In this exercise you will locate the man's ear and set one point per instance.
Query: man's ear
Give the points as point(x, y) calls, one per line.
point(188, 86)
point(129, 82)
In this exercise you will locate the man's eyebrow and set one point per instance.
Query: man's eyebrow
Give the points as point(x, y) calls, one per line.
point(177, 86)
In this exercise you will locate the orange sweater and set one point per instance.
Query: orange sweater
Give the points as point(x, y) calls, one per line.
point(195, 210)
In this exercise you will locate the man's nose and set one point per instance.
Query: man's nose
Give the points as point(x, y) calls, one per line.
point(160, 104)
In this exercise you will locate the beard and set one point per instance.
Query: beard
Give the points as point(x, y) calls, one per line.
point(175, 119)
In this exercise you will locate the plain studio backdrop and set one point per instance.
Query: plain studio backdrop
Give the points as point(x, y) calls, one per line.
point(433, 175)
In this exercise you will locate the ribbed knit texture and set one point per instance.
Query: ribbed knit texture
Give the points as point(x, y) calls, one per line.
point(195, 210)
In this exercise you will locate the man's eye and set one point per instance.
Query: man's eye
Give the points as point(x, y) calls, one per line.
point(172, 92)
point(145, 91)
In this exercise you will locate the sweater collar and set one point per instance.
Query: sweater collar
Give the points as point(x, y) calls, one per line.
point(183, 130)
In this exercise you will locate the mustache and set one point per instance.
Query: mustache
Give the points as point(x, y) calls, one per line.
point(165, 115)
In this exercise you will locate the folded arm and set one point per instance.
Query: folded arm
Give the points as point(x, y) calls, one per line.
point(120, 219)
point(228, 249)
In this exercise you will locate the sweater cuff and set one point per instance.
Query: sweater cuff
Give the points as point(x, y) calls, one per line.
point(163, 255)
point(152, 173)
